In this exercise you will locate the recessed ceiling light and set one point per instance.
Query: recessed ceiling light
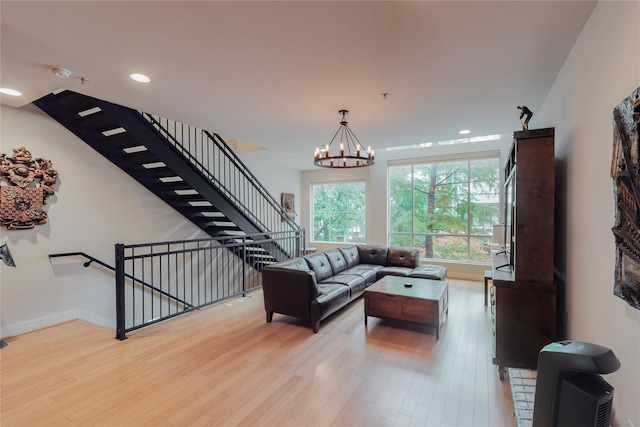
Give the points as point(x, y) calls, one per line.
point(11, 92)
point(140, 78)
point(464, 132)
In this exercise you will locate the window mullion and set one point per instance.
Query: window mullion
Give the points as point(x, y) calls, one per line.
point(413, 207)
point(468, 210)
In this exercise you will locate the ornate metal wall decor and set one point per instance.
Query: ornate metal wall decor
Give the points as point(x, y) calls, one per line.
point(625, 171)
point(25, 184)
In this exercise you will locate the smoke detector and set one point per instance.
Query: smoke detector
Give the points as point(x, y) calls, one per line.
point(63, 73)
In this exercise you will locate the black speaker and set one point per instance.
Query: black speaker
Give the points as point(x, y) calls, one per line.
point(585, 400)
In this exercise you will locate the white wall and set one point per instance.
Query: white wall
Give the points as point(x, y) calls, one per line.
point(602, 69)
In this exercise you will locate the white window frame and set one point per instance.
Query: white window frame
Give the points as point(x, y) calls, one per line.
point(347, 238)
point(443, 159)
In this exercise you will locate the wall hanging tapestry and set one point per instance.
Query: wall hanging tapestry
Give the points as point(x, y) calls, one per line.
point(625, 171)
point(25, 184)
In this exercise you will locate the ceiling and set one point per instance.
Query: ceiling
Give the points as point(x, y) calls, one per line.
point(275, 74)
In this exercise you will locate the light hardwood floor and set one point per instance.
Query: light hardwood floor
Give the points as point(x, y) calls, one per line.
point(225, 366)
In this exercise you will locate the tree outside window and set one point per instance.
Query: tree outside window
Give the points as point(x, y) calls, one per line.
point(446, 209)
point(339, 212)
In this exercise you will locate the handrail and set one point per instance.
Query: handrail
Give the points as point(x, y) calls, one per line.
point(244, 238)
point(86, 264)
point(251, 177)
point(229, 173)
point(128, 276)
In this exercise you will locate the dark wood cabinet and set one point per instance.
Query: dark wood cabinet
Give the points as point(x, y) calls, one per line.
point(523, 296)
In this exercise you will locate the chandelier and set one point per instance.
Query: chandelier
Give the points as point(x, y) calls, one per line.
point(350, 155)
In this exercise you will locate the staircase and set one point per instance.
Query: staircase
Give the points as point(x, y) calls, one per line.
point(192, 170)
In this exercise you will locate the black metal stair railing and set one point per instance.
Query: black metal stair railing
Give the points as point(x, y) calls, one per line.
point(159, 281)
point(199, 272)
point(212, 156)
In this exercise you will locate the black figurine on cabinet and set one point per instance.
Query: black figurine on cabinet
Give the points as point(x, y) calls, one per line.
point(525, 112)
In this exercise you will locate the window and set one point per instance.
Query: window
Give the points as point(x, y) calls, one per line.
point(338, 212)
point(446, 209)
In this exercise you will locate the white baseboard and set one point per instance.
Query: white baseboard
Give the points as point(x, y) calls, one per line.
point(97, 320)
point(466, 276)
point(45, 322)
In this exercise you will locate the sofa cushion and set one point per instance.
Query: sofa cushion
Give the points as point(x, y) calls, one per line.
point(393, 271)
point(367, 271)
point(319, 263)
point(354, 282)
point(336, 260)
point(427, 271)
point(351, 255)
point(372, 254)
point(331, 289)
point(403, 257)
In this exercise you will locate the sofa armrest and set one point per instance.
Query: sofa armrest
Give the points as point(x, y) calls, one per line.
point(288, 291)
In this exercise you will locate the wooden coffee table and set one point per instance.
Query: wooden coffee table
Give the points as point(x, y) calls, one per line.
point(425, 301)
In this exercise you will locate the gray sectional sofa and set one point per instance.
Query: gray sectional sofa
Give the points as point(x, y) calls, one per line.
point(314, 286)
